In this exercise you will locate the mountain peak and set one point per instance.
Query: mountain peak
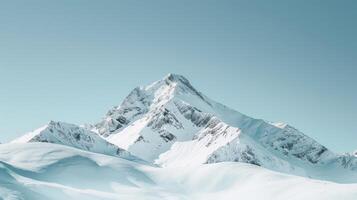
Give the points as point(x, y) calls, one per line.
point(53, 123)
point(175, 78)
point(171, 79)
point(184, 84)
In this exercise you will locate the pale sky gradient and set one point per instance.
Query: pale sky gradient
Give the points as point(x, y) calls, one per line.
point(291, 61)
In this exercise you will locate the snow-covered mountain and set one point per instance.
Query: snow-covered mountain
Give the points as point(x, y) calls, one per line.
point(73, 136)
point(173, 128)
point(170, 123)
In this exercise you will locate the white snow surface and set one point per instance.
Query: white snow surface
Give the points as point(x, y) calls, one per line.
point(44, 171)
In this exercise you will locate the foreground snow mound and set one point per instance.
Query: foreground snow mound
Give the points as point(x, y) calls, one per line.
point(43, 171)
point(73, 136)
point(170, 123)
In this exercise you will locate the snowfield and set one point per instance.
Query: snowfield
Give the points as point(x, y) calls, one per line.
point(37, 171)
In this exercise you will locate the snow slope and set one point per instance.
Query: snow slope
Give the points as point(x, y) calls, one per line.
point(43, 171)
point(170, 123)
point(73, 136)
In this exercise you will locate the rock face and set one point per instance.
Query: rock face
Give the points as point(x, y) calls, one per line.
point(73, 136)
point(170, 123)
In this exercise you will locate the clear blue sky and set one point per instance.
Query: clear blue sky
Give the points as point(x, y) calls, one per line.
point(292, 61)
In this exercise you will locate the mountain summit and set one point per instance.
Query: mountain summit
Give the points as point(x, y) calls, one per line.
point(170, 123)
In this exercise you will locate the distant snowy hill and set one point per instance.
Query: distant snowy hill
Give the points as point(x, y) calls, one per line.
point(42, 171)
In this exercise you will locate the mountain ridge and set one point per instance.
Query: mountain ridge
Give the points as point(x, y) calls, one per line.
point(73, 136)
